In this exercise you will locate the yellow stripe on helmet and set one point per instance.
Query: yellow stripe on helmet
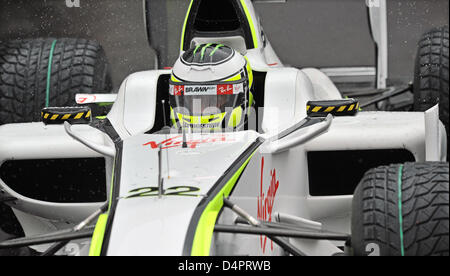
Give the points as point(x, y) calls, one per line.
point(249, 72)
point(209, 119)
point(235, 77)
point(236, 117)
point(172, 78)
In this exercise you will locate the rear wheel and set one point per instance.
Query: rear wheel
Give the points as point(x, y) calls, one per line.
point(431, 75)
point(402, 210)
point(36, 73)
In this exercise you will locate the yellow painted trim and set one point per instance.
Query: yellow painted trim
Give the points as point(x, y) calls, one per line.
point(342, 108)
point(235, 78)
point(184, 25)
point(99, 234)
point(201, 245)
point(316, 109)
point(250, 22)
point(172, 78)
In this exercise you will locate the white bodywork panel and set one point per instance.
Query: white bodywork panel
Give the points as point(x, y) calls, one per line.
point(378, 25)
point(200, 165)
point(287, 91)
point(95, 98)
point(134, 110)
point(38, 141)
point(323, 87)
point(367, 130)
point(150, 226)
point(204, 161)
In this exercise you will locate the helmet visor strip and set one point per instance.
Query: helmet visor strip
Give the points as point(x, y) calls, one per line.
point(206, 99)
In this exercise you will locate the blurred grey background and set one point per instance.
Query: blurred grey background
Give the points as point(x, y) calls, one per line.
point(304, 33)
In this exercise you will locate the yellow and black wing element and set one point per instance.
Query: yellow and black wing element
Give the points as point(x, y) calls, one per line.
point(346, 107)
point(59, 115)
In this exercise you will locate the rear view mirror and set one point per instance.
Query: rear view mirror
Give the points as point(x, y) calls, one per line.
point(59, 115)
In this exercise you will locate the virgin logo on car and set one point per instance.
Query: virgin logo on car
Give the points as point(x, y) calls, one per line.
point(83, 98)
point(266, 201)
point(177, 141)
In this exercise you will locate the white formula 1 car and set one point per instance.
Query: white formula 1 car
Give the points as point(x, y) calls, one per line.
point(315, 176)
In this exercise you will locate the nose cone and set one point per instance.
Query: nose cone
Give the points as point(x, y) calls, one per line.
point(146, 223)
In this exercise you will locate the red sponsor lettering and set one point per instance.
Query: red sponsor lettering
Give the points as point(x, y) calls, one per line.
point(177, 141)
point(266, 202)
point(83, 99)
point(178, 90)
point(224, 89)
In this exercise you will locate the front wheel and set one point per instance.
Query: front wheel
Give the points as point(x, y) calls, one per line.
point(402, 210)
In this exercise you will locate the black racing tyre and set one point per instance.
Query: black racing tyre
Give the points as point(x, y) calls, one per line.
point(39, 72)
point(402, 210)
point(29, 82)
point(431, 74)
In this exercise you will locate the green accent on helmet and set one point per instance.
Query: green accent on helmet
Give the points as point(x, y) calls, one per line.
point(204, 49)
point(196, 49)
point(215, 49)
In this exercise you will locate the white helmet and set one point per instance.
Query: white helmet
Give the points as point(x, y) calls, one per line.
point(210, 88)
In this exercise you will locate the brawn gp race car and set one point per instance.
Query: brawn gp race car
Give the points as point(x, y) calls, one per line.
point(293, 168)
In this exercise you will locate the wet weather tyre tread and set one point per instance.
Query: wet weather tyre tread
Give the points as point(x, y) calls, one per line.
point(424, 212)
point(78, 66)
point(431, 74)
